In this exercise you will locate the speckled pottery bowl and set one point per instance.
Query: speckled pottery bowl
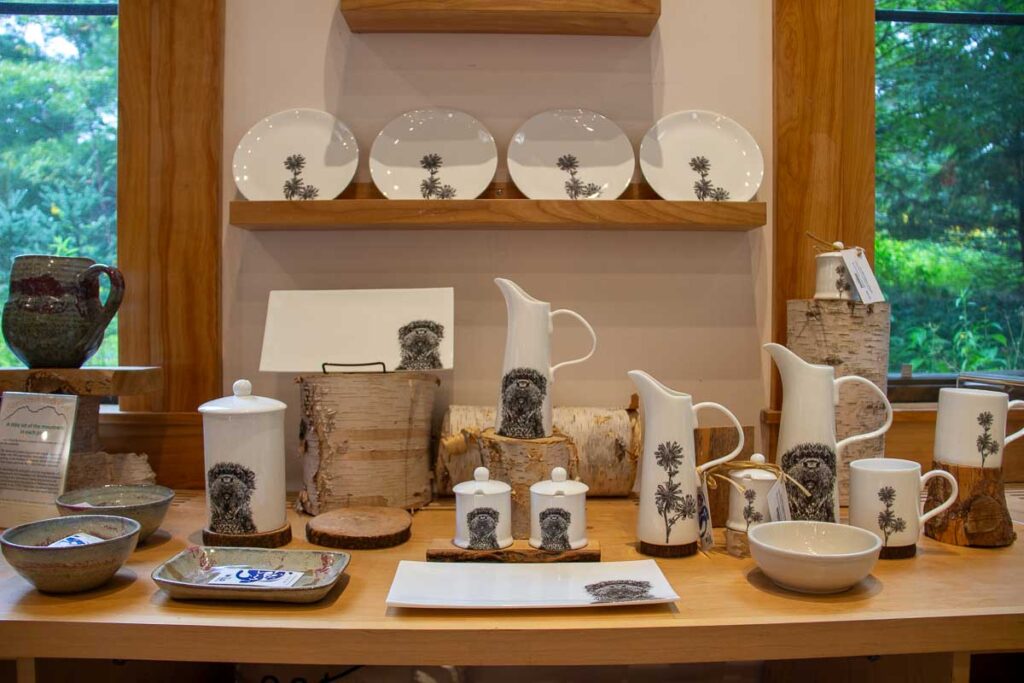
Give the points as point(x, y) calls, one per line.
point(70, 569)
point(147, 505)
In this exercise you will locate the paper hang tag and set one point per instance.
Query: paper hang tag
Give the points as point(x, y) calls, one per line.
point(861, 275)
point(707, 538)
point(241, 576)
point(778, 502)
point(81, 538)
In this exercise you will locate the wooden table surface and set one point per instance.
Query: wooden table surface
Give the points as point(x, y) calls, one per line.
point(947, 599)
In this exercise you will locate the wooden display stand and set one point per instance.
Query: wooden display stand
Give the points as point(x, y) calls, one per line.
point(520, 463)
point(520, 552)
point(979, 517)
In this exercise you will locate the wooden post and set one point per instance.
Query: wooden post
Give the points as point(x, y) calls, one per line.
point(979, 517)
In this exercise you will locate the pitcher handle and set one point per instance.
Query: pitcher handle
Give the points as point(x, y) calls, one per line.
point(593, 337)
point(91, 274)
point(866, 435)
point(739, 431)
point(1020, 432)
point(949, 501)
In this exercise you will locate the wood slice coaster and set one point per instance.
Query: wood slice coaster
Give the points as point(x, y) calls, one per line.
point(684, 550)
point(900, 552)
point(360, 528)
point(265, 539)
point(443, 550)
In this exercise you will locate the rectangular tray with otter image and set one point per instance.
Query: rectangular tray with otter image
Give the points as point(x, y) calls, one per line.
point(528, 586)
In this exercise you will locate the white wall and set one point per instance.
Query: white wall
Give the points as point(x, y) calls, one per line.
point(691, 308)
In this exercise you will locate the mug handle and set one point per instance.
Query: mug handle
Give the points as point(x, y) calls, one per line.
point(593, 337)
point(867, 435)
point(949, 501)
point(735, 423)
point(1020, 432)
point(91, 274)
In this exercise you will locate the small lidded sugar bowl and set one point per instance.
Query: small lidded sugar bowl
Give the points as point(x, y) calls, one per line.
point(483, 512)
point(749, 507)
point(558, 513)
point(832, 278)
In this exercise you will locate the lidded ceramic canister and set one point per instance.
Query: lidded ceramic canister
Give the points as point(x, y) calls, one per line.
point(243, 444)
point(749, 507)
point(558, 513)
point(483, 512)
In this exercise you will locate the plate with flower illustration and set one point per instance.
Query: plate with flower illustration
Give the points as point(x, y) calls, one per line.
point(528, 586)
point(571, 154)
point(702, 156)
point(433, 154)
point(296, 154)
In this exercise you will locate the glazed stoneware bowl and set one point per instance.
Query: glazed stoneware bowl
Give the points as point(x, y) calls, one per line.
point(814, 557)
point(147, 505)
point(70, 569)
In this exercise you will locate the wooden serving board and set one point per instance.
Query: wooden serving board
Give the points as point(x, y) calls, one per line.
point(443, 550)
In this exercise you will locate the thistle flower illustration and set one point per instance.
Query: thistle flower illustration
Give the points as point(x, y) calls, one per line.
point(295, 187)
point(700, 164)
point(575, 188)
point(987, 445)
point(669, 457)
point(750, 515)
point(431, 162)
point(888, 522)
point(703, 188)
point(446, 192)
point(568, 163)
point(431, 187)
point(669, 500)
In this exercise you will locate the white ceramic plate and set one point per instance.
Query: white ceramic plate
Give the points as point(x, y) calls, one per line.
point(433, 154)
point(295, 154)
point(523, 586)
point(570, 154)
point(701, 155)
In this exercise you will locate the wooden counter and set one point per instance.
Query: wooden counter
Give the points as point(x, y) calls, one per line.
point(947, 599)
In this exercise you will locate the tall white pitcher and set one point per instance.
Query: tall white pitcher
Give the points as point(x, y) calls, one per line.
point(807, 448)
point(524, 400)
point(667, 523)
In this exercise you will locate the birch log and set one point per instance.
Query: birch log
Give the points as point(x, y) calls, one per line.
point(520, 463)
point(365, 439)
point(854, 339)
point(606, 440)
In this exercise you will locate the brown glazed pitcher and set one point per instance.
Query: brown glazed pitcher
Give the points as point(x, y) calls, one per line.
point(53, 317)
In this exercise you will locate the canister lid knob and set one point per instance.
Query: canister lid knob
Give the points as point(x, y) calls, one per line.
point(758, 458)
point(559, 474)
point(481, 474)
point(242, 387)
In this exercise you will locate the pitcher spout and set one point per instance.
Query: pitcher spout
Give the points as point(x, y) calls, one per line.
point(651, 390)
point(789, 363)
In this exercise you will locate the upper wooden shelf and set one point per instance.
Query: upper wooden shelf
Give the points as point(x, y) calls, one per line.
point(564, 17)
point(361, 207)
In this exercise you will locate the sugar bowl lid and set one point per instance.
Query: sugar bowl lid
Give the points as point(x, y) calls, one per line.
point(753, 473)
point(242, 402)
point(559, 484)
point(482, 484)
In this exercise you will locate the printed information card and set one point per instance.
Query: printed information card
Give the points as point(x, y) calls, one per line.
point(35, 440)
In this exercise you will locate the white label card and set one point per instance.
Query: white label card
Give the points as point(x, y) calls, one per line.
point(862, 276)
point(81, 538)
point(778, 502)
point(707, 538)
point(246, 576)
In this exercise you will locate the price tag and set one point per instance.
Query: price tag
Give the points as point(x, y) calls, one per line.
point(244, 576)
point(707, 538)
point(778, 502)
point(81, 538)
point(861, 276)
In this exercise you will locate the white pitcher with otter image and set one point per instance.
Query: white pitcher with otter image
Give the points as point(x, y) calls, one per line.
point(807, 448)
point(524, 398)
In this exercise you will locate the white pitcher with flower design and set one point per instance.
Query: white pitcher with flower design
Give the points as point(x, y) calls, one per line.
point(667, 523)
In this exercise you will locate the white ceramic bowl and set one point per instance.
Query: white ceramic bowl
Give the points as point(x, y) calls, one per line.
point(814, 557)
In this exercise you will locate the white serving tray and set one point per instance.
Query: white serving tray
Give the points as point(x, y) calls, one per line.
point(528, 586)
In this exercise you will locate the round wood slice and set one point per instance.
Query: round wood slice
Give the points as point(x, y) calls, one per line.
point(900, 552)
point(265, 539)
point(360, 528)
point(684, 550)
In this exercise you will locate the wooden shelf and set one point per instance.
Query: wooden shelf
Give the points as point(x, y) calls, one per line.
point(361, 207)
point(565, 17)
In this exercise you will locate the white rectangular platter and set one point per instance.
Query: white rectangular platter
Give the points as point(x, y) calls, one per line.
point(528, 586)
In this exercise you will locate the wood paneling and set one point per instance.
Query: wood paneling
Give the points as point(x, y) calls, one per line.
point(169, 197)
point(824, 140)
point(579, 17)
point(173, 442)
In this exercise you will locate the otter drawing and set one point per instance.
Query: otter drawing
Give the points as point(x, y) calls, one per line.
point(522, 404)
point(554, 529)
point(231, 486)
point(482, 523)
point(619, 590)
point(419, 342)
point(814, 466)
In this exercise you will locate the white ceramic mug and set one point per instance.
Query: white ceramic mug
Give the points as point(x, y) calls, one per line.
point(970, 429)
point(885, 499)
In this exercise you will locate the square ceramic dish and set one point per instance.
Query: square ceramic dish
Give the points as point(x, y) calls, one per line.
point(190, 574)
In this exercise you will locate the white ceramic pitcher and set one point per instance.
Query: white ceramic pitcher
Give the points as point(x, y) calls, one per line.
point(667, 523)
point(807, 448)
point(524, 399)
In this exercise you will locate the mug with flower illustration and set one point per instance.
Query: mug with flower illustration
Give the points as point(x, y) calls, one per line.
point(970, 428)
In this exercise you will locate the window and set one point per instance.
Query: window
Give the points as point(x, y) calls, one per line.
point(58, 138)
point(949, 241)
